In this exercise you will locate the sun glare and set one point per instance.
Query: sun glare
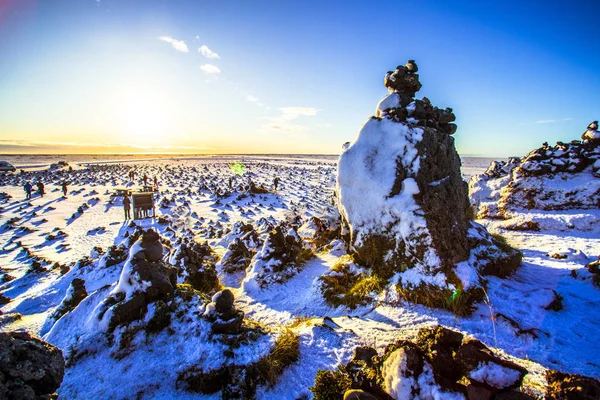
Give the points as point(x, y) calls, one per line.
point(144, 118)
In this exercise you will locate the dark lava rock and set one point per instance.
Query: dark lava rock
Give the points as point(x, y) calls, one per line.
point(29, 367)
point(571, 387)
point(223, 300)
point(77, 294)
point(439, 345)
point(472, 354)
point(128, 311)
point(150, 242)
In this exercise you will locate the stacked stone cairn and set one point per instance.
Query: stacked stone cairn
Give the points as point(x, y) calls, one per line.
point(147, 266)
point(221, 312)
point(405, 82)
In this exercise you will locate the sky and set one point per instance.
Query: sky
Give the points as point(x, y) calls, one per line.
point(205, 76)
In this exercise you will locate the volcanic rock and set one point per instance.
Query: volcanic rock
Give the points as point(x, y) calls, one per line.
point(29, 367)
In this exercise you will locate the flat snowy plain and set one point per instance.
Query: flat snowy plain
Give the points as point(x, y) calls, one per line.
point(513, 319)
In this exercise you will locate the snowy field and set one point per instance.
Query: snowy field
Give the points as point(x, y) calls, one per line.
point(203, 198)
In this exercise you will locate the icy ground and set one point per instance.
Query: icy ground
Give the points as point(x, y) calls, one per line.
point(513, 320)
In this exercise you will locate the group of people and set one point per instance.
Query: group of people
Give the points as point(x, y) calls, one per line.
point(28, 188)
point(144, 178)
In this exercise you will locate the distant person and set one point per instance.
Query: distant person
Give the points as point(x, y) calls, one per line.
point(64, 188)
point(156, 182)
point(40, 188)
point(27, 188)
point(276, 182)
point(127, 207)
point(145, 178)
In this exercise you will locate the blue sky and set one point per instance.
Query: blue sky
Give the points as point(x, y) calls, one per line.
point(288, 77)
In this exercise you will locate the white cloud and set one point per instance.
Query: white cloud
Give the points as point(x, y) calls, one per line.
point(251, 98)
point(210, 69)
point(281, 123)
point(295, 112)
point(284, 127)
point(208, 53)
point(177, 44)
point(549, 121)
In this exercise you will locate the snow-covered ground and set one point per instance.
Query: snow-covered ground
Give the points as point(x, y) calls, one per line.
point(204, 198)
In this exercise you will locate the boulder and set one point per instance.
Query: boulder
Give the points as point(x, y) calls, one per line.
point(223, 301)
point(29, 367)
point(571, 386)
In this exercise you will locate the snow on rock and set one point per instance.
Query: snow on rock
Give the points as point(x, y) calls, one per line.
point(281, 257)
point(559, 178)
point(494, 375)
point(403, 203)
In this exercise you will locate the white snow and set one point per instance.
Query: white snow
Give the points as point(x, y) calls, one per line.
point(366, 175)
point(494, 375)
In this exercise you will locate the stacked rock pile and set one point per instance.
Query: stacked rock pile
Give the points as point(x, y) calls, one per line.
point(146, 276)
point(564, 157)
point(404, 83)
point(223, 315)
point(591, 135)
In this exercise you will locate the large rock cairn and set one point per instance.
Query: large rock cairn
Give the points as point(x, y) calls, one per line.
point(29, 367)
point(401, 196)
point(145, 278)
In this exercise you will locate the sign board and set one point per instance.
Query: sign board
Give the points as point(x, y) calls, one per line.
point(143, 205)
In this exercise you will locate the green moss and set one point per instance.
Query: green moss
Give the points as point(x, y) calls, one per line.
point(345, 288)
point(458, 301)
point(330, 385)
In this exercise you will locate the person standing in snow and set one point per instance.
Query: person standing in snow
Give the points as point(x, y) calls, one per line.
point(40, 188)
point(276, 182)
point(155, 182)
point(27, 187)
point(64, 188)
point(127, 207)
point(145, 178)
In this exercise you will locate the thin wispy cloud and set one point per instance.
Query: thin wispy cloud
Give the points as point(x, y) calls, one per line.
point(284, 127)
point(550, 121)
point(298, 111)
point(208, 53)
point(282, 122)
point(210, 69)
point(251, 98)
point(177, 44)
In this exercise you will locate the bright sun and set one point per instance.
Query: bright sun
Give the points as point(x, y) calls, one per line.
point(144, 118)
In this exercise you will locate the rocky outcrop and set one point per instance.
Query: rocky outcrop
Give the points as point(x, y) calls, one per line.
point(537, 181)
point(430, 368)
point(196, 264)
point(404, 206)
point(29, 367)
